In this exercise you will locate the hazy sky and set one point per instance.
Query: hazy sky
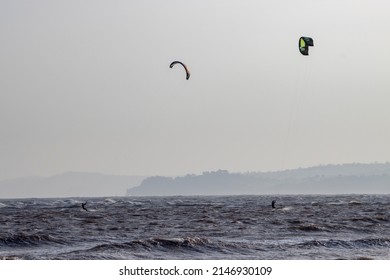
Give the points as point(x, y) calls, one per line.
point(86, 85)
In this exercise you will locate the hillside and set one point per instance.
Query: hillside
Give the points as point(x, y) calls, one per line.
point(328, 179)
point(70, 184)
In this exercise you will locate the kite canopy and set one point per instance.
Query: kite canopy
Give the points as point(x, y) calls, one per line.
point(304, 43)
point(185, 68)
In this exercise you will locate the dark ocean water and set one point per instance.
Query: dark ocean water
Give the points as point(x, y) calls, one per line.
point(232, 227)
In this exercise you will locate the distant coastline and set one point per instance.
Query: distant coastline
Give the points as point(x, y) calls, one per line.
point(69, 184)
point(354, 178)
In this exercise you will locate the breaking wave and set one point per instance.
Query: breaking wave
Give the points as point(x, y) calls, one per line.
point(22, 240)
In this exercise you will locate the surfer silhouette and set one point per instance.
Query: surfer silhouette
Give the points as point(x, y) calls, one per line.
point(273, 203)
point(83, 206)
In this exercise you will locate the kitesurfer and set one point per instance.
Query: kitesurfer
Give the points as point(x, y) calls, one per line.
point(83, 206)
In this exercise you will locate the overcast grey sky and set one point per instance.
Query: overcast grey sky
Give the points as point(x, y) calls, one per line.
point(86, 85)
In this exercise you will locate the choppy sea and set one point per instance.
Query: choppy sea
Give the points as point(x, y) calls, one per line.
point(220, 227)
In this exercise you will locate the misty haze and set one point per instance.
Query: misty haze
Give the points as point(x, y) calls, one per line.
point(327, 179)
point(220, 129)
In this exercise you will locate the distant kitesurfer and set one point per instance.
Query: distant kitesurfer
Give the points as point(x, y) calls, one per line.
point(83, 205)
point(273, 203)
